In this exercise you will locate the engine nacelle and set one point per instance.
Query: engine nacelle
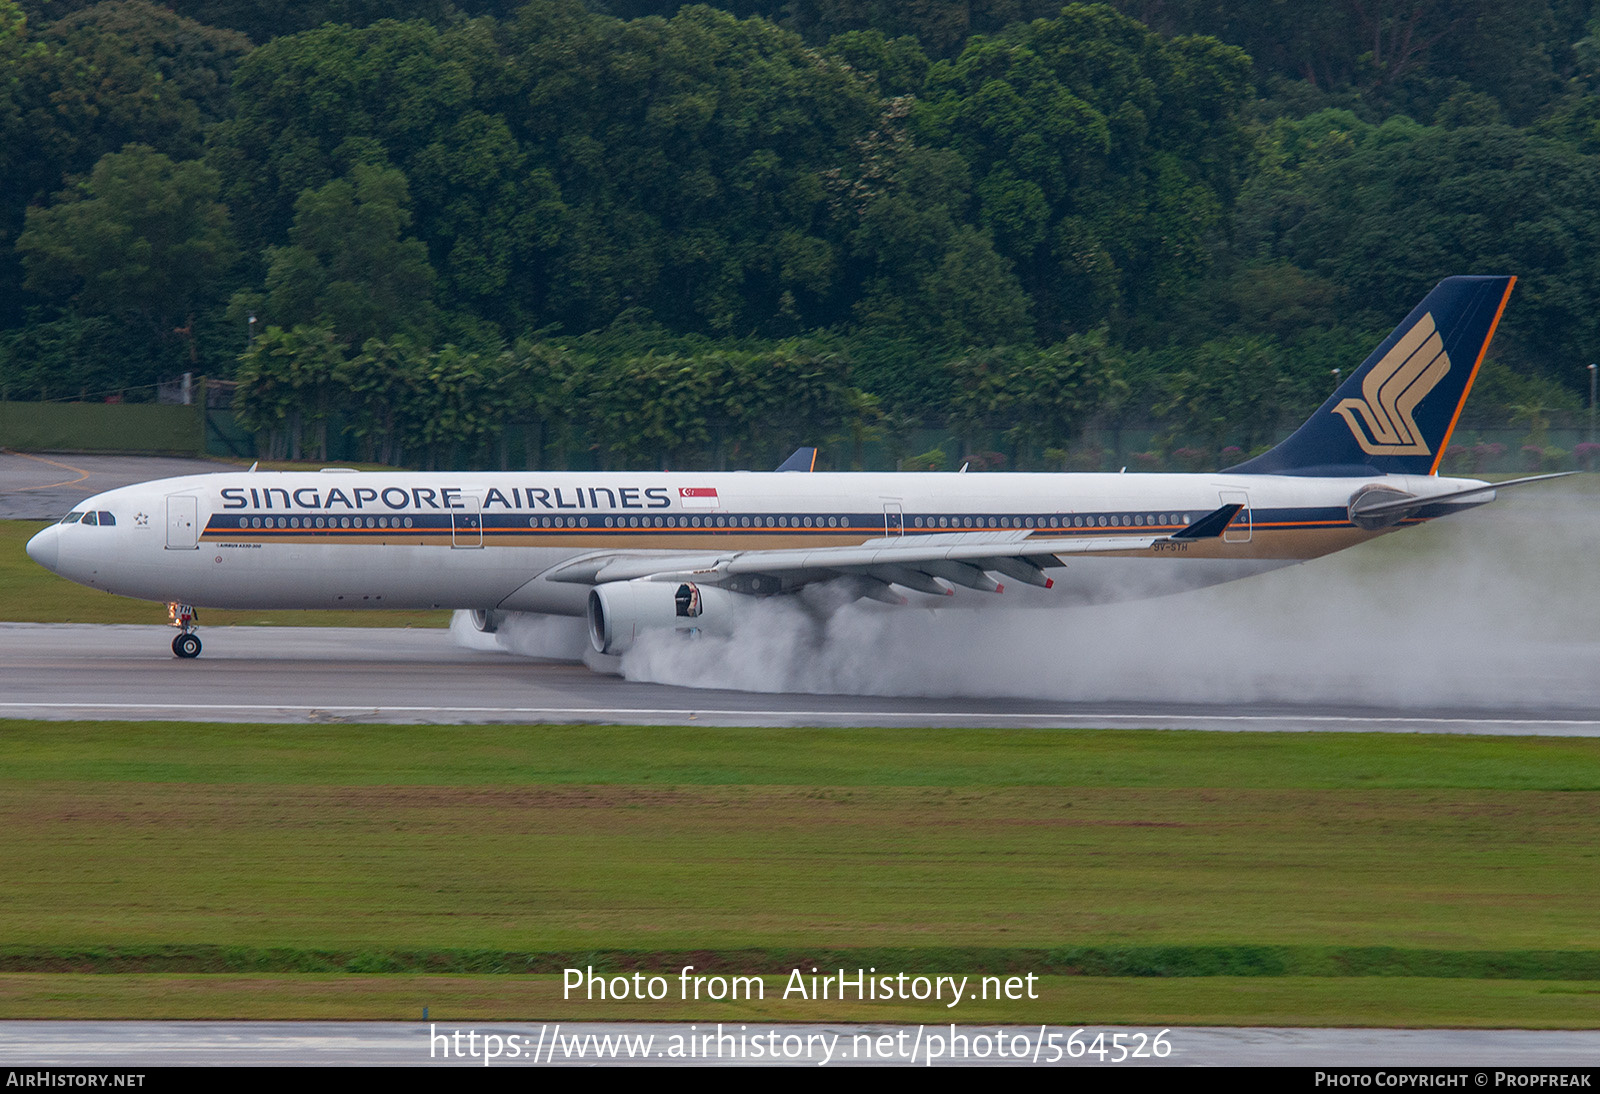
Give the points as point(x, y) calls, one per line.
point(621, 611)
point(486, 620)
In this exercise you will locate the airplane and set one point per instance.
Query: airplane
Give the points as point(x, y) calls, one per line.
point(638, 552)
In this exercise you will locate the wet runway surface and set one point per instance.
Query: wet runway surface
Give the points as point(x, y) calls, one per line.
point(317, 674)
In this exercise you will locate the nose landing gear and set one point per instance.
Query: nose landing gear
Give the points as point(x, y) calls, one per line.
point(186, 644)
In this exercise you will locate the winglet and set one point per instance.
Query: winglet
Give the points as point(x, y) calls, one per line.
point(804, 459)
point(1211, 525)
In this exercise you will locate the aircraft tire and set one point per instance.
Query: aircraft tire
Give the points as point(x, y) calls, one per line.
point(186, 646)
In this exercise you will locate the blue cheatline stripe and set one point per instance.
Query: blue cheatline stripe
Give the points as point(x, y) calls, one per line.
point(270, 525)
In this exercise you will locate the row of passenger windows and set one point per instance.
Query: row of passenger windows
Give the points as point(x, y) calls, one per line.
point(321, 522)
point(94, 517)
point(1120, 520)
point(1114, 520)
point(728, 522)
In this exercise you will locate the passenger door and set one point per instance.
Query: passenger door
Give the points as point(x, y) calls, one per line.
point(182, 520)
point(1240, 528)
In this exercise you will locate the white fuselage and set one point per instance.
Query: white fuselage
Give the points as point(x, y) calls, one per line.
point(482, 540)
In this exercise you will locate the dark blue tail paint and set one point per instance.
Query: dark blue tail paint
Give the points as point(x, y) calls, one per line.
point(1396, 413)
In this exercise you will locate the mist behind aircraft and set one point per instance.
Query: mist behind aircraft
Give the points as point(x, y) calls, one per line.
point(1497, 608)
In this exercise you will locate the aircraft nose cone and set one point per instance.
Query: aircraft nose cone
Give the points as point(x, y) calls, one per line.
point(45, 547)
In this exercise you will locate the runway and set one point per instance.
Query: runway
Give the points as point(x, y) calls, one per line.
point(317, 674)
point(411, 1044)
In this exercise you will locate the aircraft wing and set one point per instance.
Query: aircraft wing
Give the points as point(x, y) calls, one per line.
point(961, 558)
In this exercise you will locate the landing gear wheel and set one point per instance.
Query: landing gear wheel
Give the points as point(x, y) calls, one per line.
point(186, 646)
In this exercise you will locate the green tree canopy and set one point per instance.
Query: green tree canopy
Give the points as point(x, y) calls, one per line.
point(348, 264)
point(1384, 212)
point(141, 236)
point(1103, 156)
point(149, 75)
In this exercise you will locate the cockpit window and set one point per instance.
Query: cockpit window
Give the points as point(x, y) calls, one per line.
point(90, 518)
point(106, 518)
point(72, 518)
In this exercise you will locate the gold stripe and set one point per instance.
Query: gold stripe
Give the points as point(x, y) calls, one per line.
point(1482, 351)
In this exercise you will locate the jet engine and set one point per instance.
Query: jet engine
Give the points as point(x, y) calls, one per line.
point(486, 620)
point(619, 612)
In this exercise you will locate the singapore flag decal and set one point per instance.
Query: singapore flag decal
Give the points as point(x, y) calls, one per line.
point(697, 497)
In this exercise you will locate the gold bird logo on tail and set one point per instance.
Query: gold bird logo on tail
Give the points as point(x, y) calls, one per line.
point(1392, 391)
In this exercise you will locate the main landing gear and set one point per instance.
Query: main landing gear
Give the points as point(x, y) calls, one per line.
point(187, 644)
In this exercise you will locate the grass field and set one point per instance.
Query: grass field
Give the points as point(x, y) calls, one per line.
point(1393, 1001)
point(267, 871)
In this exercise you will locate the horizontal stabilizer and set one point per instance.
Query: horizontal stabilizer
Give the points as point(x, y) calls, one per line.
point(1405, 505)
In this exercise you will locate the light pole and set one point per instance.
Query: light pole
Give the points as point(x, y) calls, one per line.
point(250, 325)
point(1592, 370)
point(1335, 379)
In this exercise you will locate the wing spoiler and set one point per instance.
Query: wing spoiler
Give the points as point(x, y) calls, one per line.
point(1016, 552)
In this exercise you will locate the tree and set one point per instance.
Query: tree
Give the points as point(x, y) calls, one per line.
point(311, 107)
point(150, 76)
point(1407, 56)
point(941, 27)
point(39, 115)
point(899, 65)
point(348, 265)
point(1384, 212)
point(287, 382)
point(381, 390)
point(1038, 398)
point(142, 236)
point(690, 155)
point(1236, 390)
point(973, 297)
point(1104, 157)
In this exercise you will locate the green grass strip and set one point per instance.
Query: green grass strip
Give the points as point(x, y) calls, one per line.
point(657, 756)
point(1130, 961)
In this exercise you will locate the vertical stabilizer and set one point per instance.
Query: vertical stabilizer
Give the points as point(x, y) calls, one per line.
point(1395, 414)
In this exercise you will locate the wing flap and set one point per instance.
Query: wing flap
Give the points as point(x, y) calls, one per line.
point(963, 558)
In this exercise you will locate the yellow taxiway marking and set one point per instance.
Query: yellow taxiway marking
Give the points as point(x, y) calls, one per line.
point(81, 473)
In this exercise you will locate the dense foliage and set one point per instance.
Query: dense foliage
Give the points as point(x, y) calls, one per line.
point(668, 234)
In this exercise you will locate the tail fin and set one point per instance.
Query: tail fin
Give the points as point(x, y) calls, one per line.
point(1396, 413)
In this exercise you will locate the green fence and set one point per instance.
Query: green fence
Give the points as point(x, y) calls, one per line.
point(102, 427)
